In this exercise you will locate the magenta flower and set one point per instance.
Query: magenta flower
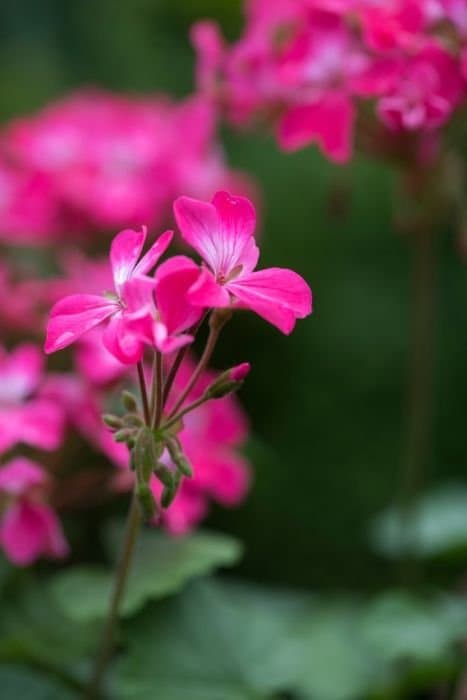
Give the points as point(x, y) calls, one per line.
point(126, 310)
point(222, 233)
point(26, 414)
point(29, 527)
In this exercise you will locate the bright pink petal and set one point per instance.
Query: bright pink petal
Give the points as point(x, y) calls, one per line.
point(329, 122)
point(42, 424)
point(30, 530)
point(174, 279)
point(138, 295)
point(166, 343)
point(206, 292)
point(151, 258)
point(124, 254)
point(71, 317)
point(278, 295)
point(20, 372)
point(21, 474)
point(123, 341)
point(199, 223)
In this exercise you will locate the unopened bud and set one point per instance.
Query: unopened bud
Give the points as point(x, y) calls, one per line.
point(146, 501)
point(133, 419)
point(179, 458)
point(164, 475)
point(125, 435)
point(111, 421)
point(228, 382)
point(129, 401)
point(168, 494)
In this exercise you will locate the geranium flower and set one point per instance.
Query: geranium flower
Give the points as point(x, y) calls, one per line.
point(126, 309)
point(29, 528)
point(26, 414)
point(222, 233)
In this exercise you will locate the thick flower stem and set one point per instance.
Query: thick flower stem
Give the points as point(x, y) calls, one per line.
point(157, 398)
point(420, 394)
point(144, 393)
point(121, 576)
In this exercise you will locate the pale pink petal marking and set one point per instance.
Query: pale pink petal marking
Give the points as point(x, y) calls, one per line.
point(71, 317)
point(124, 254)
point(199, 225)
point(151, 258)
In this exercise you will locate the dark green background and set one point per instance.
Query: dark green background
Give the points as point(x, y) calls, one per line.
point(327, 405)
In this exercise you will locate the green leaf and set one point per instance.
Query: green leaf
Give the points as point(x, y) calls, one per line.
point(21, 683)
point(436, 526)
point(214, 641)
point(162, 565)
point(33, 629)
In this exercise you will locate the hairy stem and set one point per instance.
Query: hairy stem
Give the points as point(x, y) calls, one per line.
point(158, 380)
point(144, 393)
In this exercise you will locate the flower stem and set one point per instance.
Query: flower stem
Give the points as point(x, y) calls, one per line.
point(214, 331)
point(173, 419)
point(123, 569)
point(158, 380)
point(420, 393)
point(144, 393)
point(121, 576)
point(178, 361)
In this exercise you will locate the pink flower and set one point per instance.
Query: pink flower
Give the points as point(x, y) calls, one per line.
point(29, 528)
point(222, 233)
point(26, 414)
point(425, 93)
point(126, 310)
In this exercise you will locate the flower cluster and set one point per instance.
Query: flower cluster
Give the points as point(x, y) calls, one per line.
point(95, 161)
point(311, 67)
point(183, 434)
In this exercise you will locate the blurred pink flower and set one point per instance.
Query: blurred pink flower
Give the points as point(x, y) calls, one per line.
point(26, 414)
point(29, 527)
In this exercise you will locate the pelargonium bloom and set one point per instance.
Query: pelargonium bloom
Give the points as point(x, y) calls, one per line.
point(126, 309)
point(26, 414)
point(29, 528)
point(221, 231)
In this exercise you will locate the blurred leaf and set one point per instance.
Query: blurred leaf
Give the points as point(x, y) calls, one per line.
point(401, 627)
point(33, 629)
point(21, 683)
point(335, 661)
point(437, 525)
point(5, 570)
point(214, 641)
point(162, 565)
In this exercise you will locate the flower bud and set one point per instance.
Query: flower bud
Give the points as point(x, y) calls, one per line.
point(125, 435)
point(168, 494)
point(164, 475)
point(133, 419)
point(129, 401)
point(179, 458)
point(228, 381)
point(111, 421)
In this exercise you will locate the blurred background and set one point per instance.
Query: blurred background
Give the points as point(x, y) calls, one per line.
point(327, 406)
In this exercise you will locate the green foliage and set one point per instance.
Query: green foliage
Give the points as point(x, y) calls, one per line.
point(235, 642)
point(435, 526)
point(20, 683)
point(34, 630)
point(162, 565)
point(214, 641)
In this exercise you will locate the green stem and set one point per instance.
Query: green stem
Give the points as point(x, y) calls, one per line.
point(173, 419)
point(121, 576)
point(178, 361)
point(144, 393)
point(420, 393)
point(214, 331)
point(158, 380)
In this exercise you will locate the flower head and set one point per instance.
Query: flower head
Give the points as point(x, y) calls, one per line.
point(222, 231)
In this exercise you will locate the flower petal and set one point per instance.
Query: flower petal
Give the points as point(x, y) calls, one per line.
point(329, 122)
point(199, 223)
point(124, 253)
point(151, 258)
point(278, 295)
point(71, 317)
point(174, 279)
point(123, 342)
point(207, 292)
point(29, 530)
